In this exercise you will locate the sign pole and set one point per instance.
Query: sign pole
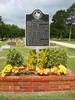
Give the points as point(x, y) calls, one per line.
point(37, 54)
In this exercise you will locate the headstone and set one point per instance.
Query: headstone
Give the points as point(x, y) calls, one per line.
point(11, 42)
point(1, 49)
point(37, 29)
point(19, 41)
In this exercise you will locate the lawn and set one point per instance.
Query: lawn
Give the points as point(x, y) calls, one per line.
point(71, 64)
point(38, 96)
point(3, 43)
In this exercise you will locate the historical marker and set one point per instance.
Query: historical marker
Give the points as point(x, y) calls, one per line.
point(37, 29)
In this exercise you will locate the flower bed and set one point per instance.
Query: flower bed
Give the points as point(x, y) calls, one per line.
point(27, 79)
point(50, 74)
point(9, 70)
point(37, 83)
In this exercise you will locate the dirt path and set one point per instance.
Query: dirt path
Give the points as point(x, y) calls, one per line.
point(71, 56)
point(2, 57)
point(69, 45)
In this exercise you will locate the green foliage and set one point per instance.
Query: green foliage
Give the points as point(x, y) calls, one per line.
point(71, 10)
point(43, 58)
point(13, 31)
point(10, 31)
point(48, 57)
point(52, 57)
point(32, 58)
point(14, 58)
point(2, 28)
point(56, 57)
point(59, 26)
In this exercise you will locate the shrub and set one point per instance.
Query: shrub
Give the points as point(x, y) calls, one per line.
point(14, 58)
point(43, 58)
point(48, 58)
point(52, 57)
point(32, 59)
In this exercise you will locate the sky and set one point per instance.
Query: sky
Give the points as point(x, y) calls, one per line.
point(14, 11)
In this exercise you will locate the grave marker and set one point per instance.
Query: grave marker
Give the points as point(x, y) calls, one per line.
point(37, 29)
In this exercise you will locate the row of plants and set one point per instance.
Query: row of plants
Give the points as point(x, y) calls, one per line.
point(9, 70)
point(47, 58)
point(49, 61)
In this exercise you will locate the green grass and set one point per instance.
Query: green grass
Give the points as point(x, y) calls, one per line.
point(4, 53)
point(71, 64)
point(21, 48)
point(2, 64)
point(3, 43)
point(38, 96)
point(69, 51)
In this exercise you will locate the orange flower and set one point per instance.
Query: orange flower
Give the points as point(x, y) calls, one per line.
point(40, 70)
point(15, 69)
point(21, 68)
point(30, 67)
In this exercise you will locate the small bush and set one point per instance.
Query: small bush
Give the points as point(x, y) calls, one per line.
point(32, 59)
point(43, 58)
point(14, 58)
point(52, 57)
point(48, 57)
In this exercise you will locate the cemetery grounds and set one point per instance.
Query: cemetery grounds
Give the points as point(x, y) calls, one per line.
point(37, 96)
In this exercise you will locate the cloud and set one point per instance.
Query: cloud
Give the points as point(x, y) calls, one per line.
point(14, 11)
point(4, 1)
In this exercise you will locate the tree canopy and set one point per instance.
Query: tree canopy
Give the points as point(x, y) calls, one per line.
point(10, 31)
point(61, 26)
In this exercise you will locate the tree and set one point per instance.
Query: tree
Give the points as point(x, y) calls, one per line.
point(1, 20)
point(71, 18)
point(13, 31)
point(63, 23)
point(2, 28)
point(59, 22)
point(10, 31)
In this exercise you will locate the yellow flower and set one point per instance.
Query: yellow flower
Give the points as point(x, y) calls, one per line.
point(30, 67)
point(54, 69)
point(8, 68)
point(40, 70)
point(46, 71)
point(3, 74)
point(3, 71)
point(63, 69)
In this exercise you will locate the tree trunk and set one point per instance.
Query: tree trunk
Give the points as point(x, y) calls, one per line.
point(70, 34)
point(2, 38)
point(61, 35)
